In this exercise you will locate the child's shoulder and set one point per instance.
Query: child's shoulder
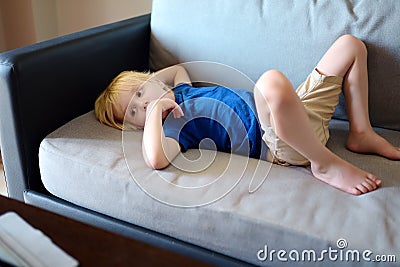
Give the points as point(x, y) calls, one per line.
point(187, 91)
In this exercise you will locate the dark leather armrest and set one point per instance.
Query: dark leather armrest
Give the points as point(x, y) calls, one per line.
point(43, 86)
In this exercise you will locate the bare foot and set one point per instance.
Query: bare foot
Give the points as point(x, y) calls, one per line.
point(345, 176)
point(371, 142)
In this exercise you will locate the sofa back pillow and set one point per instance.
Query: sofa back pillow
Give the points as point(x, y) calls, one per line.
point(254, 36)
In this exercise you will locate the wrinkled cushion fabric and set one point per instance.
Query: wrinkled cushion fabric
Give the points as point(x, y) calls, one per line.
point(99, 168)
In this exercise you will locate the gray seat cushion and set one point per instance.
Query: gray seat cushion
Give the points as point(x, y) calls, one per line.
point(85, 162)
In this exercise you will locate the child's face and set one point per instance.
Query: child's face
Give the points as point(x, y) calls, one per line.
point(134, 103)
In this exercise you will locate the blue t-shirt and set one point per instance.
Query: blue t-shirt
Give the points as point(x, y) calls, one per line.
point(226, 116)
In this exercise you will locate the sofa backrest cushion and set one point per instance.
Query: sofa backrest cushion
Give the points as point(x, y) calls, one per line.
point(254, 36)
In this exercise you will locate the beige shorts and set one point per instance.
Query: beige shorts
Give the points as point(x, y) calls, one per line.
point(320, 96)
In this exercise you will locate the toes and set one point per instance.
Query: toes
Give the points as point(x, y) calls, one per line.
point(355, 191)
point(394, 154)
point(362, 188)
point(372, 183)
point(369, 185)
point(374, 179)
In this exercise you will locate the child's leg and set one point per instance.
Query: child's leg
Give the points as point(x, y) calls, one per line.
point(347, 58)
point(291, 123)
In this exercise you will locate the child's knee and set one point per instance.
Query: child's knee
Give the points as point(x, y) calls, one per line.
point(354, 43)
point(273, 84)
point(271, 75)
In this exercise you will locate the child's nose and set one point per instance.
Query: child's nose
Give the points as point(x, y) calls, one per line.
point(145, 103)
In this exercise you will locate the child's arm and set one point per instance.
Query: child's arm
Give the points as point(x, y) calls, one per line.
point(158, 150)
point(173, 75)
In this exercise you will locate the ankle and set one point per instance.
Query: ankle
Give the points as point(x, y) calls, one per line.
point(360, 131)
point(355, 138)
point(323, 163)
point(317, 167)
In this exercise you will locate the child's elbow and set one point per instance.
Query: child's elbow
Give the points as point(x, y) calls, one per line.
point(157, 163)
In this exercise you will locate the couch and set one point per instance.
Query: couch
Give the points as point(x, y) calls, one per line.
point(94, 173)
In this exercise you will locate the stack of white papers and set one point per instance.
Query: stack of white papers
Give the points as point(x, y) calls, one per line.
point(23, 245)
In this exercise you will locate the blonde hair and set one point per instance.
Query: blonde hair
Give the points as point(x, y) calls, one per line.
point(107, 102)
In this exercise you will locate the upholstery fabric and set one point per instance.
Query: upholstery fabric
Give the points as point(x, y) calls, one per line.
point(98, 167)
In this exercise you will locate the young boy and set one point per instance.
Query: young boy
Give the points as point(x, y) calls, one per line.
point(295, 123)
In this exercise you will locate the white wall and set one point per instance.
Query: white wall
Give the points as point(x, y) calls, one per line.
point(17, 27)
point(2, 40)
point(45, 19)
point(74, 15)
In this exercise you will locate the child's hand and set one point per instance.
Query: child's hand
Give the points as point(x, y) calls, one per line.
point(164, 106)
point(158, 150)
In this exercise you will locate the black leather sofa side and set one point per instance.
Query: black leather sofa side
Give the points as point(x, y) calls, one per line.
point(43, 86)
